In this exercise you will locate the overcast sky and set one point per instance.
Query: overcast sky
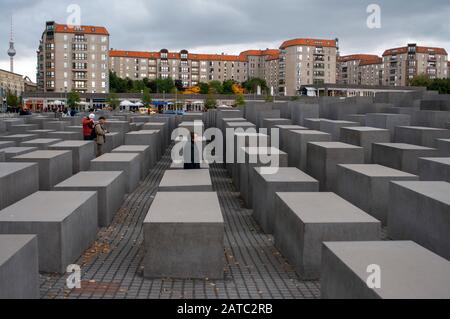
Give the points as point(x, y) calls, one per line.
point(229, 26)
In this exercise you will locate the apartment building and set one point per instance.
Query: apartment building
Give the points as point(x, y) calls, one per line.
point(360, 69)
point(403, 64)
point(306, 62)
point(11, 82)
point(189, 68)
point(271, 72)
point(73, 58)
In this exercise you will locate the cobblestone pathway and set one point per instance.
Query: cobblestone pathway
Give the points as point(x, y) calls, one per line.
point(112, 267)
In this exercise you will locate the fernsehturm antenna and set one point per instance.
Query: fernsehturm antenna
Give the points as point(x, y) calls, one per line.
point(12, 50)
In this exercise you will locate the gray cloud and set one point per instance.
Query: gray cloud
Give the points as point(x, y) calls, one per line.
point(228, 24)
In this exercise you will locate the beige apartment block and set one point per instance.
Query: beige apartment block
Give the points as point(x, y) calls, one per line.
point(11, 82)
point(271, 73)
point(73, 58)
point(306, 62)
point(360, 69)
point(402, 64)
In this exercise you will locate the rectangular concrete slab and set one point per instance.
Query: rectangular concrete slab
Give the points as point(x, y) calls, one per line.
point(147, 160)
point(284, 134)
point(18, 138)
point(297, 145)
point(333, 127)
point(266, 184)
point(83, 152)
point(65, 225)
point(195, 180)
point(151, 138)
point(66, 135)
point(54, 166)
point(184, 236)
point(110, 188)
point(19, 267)
point(419, 211)
point(434, 169)
point(42, 144)
point(17, 181)
point(419, 135)
point(365, 137)
point(22, 128)
point(305, 220)
point(403, 157)
point(408, 271)
point(367, 187)
point(388, 121)
point(41, 133)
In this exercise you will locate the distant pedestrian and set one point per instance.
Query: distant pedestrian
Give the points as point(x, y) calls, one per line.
point(88, 127)
point(100, 132)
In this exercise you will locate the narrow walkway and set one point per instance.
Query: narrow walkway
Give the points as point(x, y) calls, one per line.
point(112, 267)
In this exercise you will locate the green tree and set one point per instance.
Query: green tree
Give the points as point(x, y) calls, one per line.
point(420, 80)
point(73, 99)
point(252, 85)
point(240, 100)
point(12, 100)
point(113, 101)
point(147, 99)
point(227, 87)
point(204, 88)
point(269, 98)
point(210, 102)
point(165, 85)
point(216, 87)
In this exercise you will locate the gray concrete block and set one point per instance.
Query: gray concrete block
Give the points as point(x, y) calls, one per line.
point(41, 133)
point(305, 220)
point(365, 137)
point(118, 127)
point(6, 144)
point(358, 118)
point(66, 225)
point(257, 157)
point(77, 129)
point(419, 211)
point(126, 162)
point(18, 138)
point(83, 152)
point(178, 166)
point(334, 127)
point(408, 271)
point(42, 144)
point(418, 135)
point(367, 187)
point(184, 236)
point(443, 145)
point(146, 159)
point(287, 179)
point(284, 134)
point(312, 123)
point(434, 169)
point(387, 121)
point(164, 128)
point(195, 180)
point(272, 122)
point(297, 145)
point(150, 138)
point(66, 135)
point(193, 126)
point(403, 157)
point(11, 152)
point(58, 126)
point(19, 267)
point(110, 188)
point(17, 181)
point(302, 111)
point(11, 122)
point(54, 166)
point(323, 158)
point(112, 141)
point(22, 128)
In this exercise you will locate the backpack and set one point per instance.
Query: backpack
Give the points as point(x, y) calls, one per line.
point(94, 132)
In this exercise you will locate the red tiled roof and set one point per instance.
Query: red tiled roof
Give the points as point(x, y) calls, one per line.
point(134, 54)
point(364, 59)
point(270, 52)
point(308, 42)
point(423, 50)
point(63, 28)
point(173, 55)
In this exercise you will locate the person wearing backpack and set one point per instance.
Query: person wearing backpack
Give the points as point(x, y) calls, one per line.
point(88, 127)
point(100, 132)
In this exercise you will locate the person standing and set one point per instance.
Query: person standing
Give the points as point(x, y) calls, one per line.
point(88, 127)
point(100, 132)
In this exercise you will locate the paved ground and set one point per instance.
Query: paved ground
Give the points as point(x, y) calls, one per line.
point(112, 267)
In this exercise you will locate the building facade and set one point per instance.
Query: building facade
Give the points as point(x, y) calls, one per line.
point(11, 82)
point(73, 58)
point(360, 69)
point(402, 64)
point(306, 62)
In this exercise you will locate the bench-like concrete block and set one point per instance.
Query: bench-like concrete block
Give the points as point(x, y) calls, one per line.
point(257, 157)
point(144, 137)
point(194, 180)
point(403, 157)
point(146, 159)
point(323, 158)
point(19, 267)
point(312, 123)
point(417, 135)
point(297, 145)
point(358, 118)
point(83, 152)
point(41, 144)
point(434, 169)
point(300, 112)
point(419, 211)
point(41, 133)
point(126, 162)
point(7, 144)
point(118, 126)
point(110, 188)
point(408, 271)
point(333, 127)
point(184, 236)
point(17, 181)
point(18, 138)
point(66, 135)
point(164, 128)
point(367, 187)
point(287, 179)
point(11, 152)
point(284, 134)
point(55, 125)
point(65, 224)
point(388, 121)
point(272, 122)
point(113, 140)
point(54, 166)
point(305, 220)
point(443, 145)
point(22, 128)
point(365, 137)
point(11, 122)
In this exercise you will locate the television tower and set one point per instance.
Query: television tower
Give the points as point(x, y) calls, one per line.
point(12, 50)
